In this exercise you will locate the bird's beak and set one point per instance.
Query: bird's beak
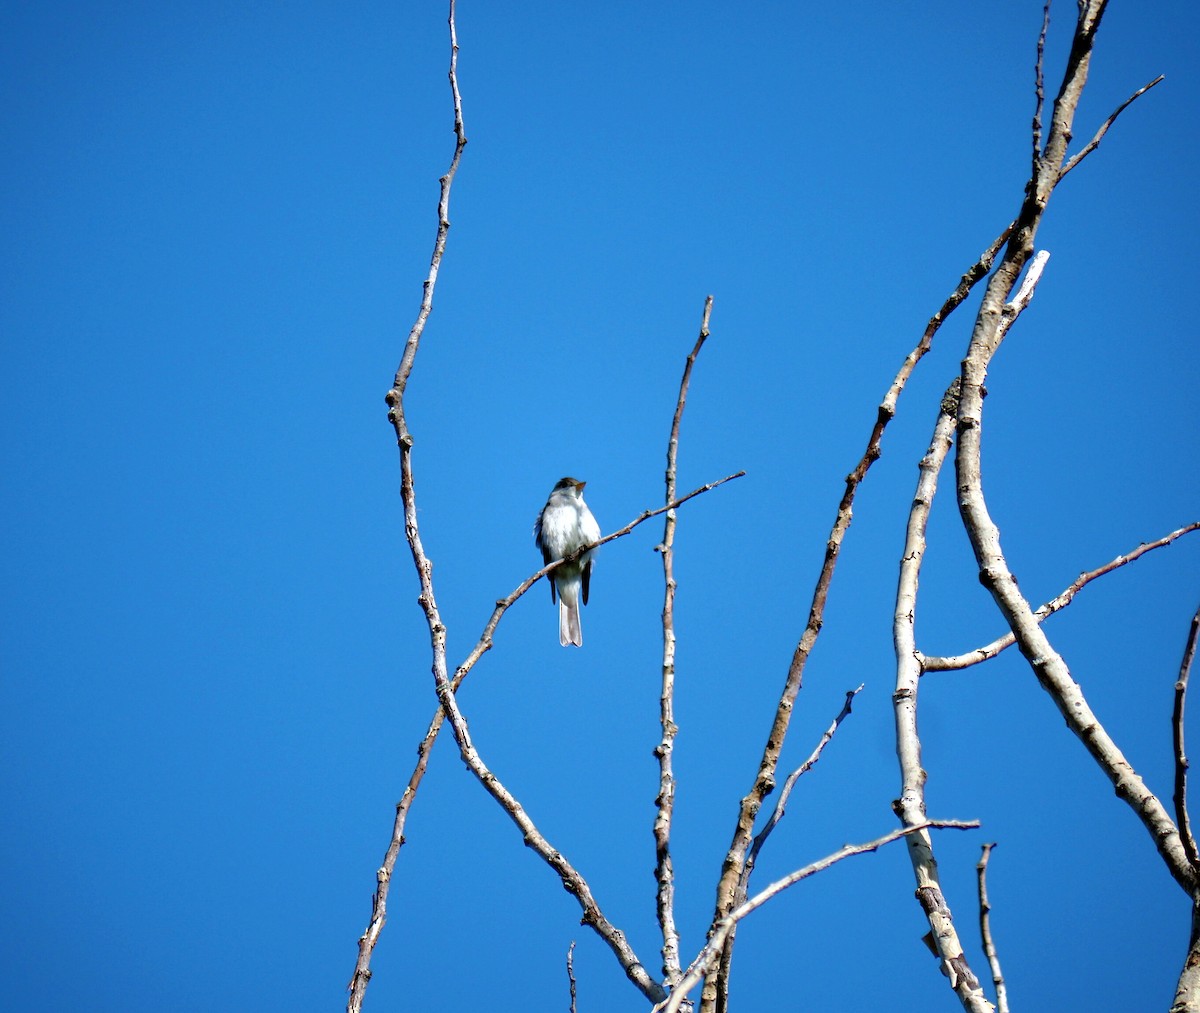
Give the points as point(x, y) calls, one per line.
point(579, 486)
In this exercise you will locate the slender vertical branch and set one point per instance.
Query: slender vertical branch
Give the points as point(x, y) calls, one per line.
point(395, 400)
point(535, 840)
point(1181, 763)
point(910, 806)
point(664, 872)
point(985, 930)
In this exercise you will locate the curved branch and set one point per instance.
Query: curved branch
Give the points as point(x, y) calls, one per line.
point(990, 326)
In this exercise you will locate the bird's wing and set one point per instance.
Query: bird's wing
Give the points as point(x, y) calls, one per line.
point(546, 557)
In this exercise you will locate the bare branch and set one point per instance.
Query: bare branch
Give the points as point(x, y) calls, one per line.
point(1094, 143)
point(985, 931)
point(664, 872)
point(1181, 763)
point(990, 323)
point(910, 806)
point(395, 400)
point(934, 663)
point(697, 969)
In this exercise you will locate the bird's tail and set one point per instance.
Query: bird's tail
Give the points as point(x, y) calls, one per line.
point(569, 630)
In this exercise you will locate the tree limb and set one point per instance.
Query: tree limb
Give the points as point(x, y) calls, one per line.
point(1187, 991)
point(572, 881)
point(781, 803)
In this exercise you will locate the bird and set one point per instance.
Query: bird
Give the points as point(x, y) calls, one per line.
point(564, 526)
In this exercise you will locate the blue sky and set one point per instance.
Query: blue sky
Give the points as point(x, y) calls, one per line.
point(216, 220)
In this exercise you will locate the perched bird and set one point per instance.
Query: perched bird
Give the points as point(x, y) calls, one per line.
point(564, 525)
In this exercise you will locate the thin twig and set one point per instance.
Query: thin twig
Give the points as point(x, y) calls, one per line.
point(985, 930)
point(1094, 143)
point(761, 838)
point(1181, 762)
point(990, 323)
point(395, 400)
point(664, 872)
point(910, 806)
point(697, 969)
point(571, 972)
point(1040, 88)
point(935, 663)
point(786, 792)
